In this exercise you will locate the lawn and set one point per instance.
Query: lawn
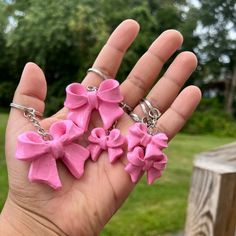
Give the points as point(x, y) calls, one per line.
point(3, 172)
point(150, 210)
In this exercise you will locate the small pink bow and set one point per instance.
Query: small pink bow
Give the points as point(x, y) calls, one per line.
point(139, 163)
point(43, 154)
point(101, 140)
point(138, 136)
point(105, 99)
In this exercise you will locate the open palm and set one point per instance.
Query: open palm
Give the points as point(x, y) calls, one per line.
point(84, 206)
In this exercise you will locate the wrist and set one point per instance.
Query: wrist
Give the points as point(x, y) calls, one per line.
point(15, 220)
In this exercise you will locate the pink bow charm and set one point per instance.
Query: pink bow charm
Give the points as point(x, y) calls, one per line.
point(138, 136)
point(44, 154)
point(145, 153)
point(139, 163)
point(81, 102)
point(100, 140)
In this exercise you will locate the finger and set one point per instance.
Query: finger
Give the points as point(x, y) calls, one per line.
point(170, 123)
point(145, 72)
point(167, 88)
point(31, 92)
point(111, 55)
point(109, 59)
point(179, 112)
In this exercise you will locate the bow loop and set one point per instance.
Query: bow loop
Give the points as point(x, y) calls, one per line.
point(65, 131)
point(160, 140)
point(109, 91)
point(138, 136)
point(136, 157)
point(115, 139)
point(30, 146)
point(76, 96)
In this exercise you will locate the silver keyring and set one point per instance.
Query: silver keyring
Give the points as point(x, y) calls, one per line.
point(26, 109)
point(153, 112)
point(98, 72)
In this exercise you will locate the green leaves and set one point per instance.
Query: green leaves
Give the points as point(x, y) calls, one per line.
point(64, 37)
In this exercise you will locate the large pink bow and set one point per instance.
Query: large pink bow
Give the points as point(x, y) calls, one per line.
point(43, 154)
point(105, 99)
point(101, 140)
point(138, 136)
point(139, 163)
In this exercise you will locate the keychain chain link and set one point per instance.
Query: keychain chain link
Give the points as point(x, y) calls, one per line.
point(29, 113)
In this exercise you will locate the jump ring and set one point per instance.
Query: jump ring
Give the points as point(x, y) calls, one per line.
point(153, 111)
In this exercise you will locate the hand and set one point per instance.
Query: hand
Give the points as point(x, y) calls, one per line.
point(84, 206)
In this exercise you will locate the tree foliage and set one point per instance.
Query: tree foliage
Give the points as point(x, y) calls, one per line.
point(217, 31)
point(64, 37)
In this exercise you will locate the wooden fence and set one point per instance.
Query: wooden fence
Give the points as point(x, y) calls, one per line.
point(212, 197)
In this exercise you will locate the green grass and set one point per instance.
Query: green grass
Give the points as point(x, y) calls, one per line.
point(3, 170)
point(150, 210)
point(161, 208)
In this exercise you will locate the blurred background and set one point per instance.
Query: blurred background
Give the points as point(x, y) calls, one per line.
point(64, 37)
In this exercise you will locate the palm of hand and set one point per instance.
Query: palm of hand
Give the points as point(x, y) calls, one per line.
point(84, 206)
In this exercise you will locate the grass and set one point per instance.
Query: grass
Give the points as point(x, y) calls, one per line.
point(150, 210)
point(3, 170)
point(160, 209)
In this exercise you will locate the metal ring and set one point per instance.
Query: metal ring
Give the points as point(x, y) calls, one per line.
point(144, 108)
point(26, 109)
point(135, 117)
point(126, 107)
point(98, 72)
point(153, 111)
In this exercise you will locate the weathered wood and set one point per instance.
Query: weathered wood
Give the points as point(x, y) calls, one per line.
point(212, 198)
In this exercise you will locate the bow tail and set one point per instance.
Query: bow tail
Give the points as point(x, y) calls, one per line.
point(153, 174)
point(133, 171)
point(44, 170)
point(95, 151)
point(110, 112)
point(114, 154)
point(74, 159)
point(81, 116)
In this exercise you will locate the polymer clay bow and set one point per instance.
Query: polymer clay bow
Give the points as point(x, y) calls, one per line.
point(44, 154)
point(145, 153)
point(139, 136)
point(138, 162)
point(101, 140)
point(82, 101)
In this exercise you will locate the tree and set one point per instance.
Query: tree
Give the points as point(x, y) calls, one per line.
point(64, 37)
point(217, 50)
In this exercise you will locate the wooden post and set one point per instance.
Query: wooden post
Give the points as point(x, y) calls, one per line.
point(212, 198)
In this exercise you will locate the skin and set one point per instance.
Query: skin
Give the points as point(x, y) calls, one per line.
point(83, 207)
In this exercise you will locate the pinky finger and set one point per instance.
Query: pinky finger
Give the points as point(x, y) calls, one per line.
point(179, 112)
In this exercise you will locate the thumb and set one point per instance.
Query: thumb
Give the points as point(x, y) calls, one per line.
point(31, 92)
